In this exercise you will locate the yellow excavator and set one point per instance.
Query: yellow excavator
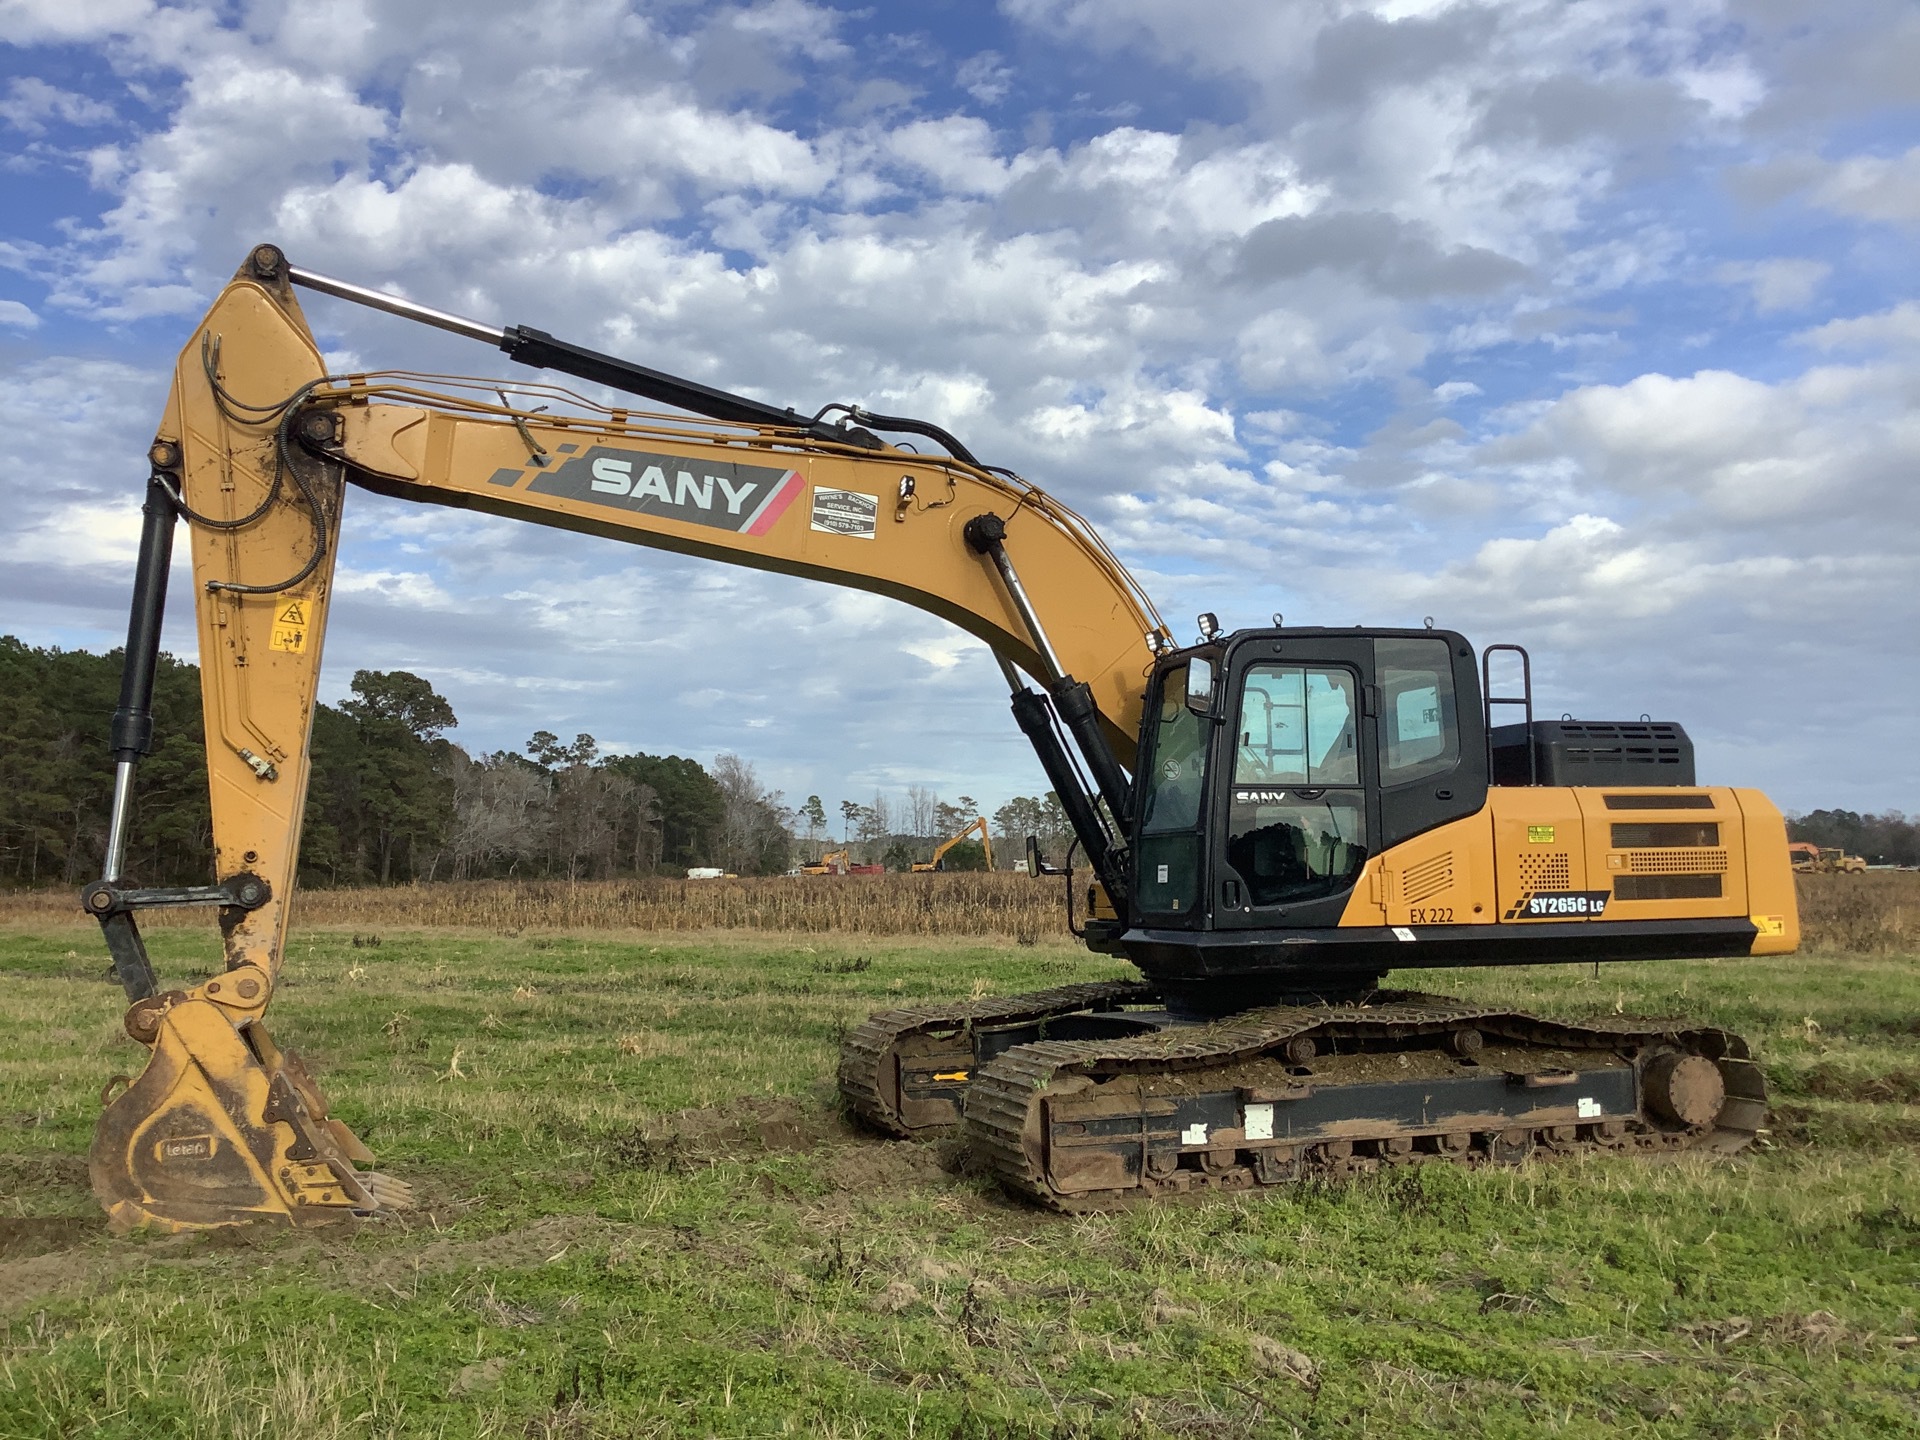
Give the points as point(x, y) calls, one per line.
point(977, 827)
point(1266, 820)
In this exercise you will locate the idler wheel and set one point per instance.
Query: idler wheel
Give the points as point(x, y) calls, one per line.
point(1510, 1147)
point(1686, 1089)
point(1466, 1043)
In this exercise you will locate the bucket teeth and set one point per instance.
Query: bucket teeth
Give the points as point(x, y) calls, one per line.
point(388, 1193)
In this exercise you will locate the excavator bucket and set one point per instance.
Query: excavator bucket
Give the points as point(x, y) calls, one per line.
point(223, 1126)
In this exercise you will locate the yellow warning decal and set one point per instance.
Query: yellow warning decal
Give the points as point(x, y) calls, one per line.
point(1539, 834)
point(291, 628)
point(960, 1075)
point(1769, 924)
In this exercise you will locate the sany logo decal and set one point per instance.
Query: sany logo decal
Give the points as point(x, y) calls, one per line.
point(615, 477)
point(725, 494)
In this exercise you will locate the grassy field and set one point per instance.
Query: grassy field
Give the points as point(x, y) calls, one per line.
point(642, 1216)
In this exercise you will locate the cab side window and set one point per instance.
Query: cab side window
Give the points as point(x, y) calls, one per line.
point(1419, 720)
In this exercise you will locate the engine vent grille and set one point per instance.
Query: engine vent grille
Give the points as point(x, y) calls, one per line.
point(1659, 802)
point(1677, 862)
point(1546, 870)
point(1665, 835)
point(1667, 887)
point(1428, 878)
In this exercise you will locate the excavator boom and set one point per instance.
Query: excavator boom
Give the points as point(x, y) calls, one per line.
point(255, 450)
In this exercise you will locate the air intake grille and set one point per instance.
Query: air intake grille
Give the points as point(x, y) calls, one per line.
point(1546, 870)
point(1659, 802)
point(1667, 887)
point(1428, 878)
point(1665, 835)
point(1677, 862)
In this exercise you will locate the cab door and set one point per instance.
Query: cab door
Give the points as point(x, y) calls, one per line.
point(1295, 781)
point(1176, 759)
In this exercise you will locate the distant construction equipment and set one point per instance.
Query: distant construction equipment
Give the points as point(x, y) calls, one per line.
point(1811, 859)
point(978, 827)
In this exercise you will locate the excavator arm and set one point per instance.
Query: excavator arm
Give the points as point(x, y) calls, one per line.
point(978, 826)
point(255, 451)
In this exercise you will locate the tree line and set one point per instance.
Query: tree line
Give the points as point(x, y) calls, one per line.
point(1889, 839)
point(393, 799)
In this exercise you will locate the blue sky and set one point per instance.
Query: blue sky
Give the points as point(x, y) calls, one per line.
point(1591, 326)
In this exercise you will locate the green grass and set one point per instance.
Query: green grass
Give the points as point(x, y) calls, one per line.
point(592, 1260)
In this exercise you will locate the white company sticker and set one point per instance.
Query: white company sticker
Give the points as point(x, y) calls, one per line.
point(846, 512)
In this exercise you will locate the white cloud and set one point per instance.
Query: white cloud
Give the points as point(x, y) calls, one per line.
point(1778, 284)
point(808, 29)
point(12, 312)
point(1873, 187)
point(39, 22)
point(31, 102)
point(985, 76)
point(1897, 327)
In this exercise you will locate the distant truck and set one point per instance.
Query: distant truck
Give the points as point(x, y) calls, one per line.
point(706, 872)
point(1811, 859)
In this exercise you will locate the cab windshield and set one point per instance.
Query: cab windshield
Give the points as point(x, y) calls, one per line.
point(1167, 866)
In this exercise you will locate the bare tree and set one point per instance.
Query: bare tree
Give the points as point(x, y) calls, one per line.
point(876, 824)
point(501, 812)
point(756, 836)
point(921, 804)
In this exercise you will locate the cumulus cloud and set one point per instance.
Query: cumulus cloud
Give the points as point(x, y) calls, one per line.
point(1778, 284)
point(986, 77)
point(1356, 310)
point(31, 103)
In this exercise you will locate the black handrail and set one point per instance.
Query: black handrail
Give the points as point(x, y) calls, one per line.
point(1525, 699)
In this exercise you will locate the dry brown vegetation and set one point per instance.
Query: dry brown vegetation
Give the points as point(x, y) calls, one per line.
point(958, 904)
point(1873, 914)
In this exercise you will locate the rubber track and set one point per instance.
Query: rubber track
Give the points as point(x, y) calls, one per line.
point(1005, 1093)
point(865, 1050)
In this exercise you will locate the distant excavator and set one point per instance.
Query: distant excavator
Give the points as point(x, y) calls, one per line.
point(977, 827)
point(1266, 820)
point(1811, 859)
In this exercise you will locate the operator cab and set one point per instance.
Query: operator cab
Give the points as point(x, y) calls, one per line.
point(1273, 763)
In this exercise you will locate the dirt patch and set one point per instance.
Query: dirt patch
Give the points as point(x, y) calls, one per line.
point(62, 1175)
point(1842, 1125)
point(875, 1166)
point(1895, 1087)
point(1820, 1332)
point(744, 1129)
point(530, 1245)
point(43, 1235)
